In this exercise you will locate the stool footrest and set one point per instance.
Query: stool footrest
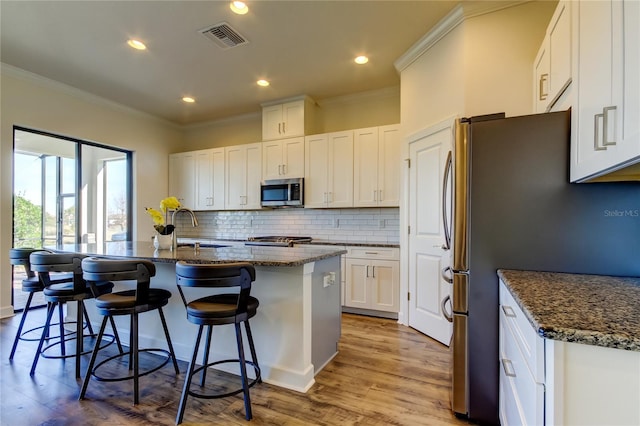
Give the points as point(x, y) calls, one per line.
point(257, 379)
point(43, 352)
point(164, 362)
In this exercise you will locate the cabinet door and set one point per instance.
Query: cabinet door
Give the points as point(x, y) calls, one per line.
point(272, 122)
point(541, 78)
point(340, 166)
point(272, 160)
point(389, 169)
point(605, 124)
point(203, 180)
point(293, 157)
point(385, 285)
point(366, 191)
point(182, 178)
point(253, 175)
point(217, 179)
point(235, 177)
point(356, 292)
point(559, 44)
point(316, 173)
point(293, 118)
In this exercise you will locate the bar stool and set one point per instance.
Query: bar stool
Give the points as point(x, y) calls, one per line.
point(128, 302)
point(59, 290)
point(31, 285)
point(219, 309)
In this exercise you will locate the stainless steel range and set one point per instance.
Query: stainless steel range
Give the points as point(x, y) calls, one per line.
point(275, 240)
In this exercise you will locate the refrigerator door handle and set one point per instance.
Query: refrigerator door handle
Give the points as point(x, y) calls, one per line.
point(443, 305)
point(447, 278)
point(445, 188)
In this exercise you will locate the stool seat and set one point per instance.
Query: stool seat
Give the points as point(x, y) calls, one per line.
point(220, 309)
point(66, 290)
point(127, 299)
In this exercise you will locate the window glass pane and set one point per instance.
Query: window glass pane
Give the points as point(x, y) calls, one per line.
point(50, 186)
point(68, 220)
point(116, 199)
point(27, 218)
point(68, 171)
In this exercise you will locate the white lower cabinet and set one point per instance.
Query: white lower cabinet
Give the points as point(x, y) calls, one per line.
point(550, 382)
point(372, 279)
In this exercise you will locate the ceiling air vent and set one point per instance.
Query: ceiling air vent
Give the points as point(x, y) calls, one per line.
point(224, 36)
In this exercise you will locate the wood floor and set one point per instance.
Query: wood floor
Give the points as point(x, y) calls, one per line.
point(384, 374)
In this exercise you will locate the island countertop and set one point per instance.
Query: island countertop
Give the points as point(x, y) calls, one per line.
point(589, 309)
point(256, 255)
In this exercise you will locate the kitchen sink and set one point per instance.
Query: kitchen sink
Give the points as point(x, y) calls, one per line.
point(202, 245)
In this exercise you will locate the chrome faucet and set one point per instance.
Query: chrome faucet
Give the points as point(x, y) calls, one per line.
point(194, 223)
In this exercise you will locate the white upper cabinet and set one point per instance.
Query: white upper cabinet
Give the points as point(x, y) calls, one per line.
point(376, 167)
point(209, 179)
point(283, 158)
point(329, 170)
point(288, 119)
point(552, 66)
point(182, 178)
point(243, 165)
point(606, 113)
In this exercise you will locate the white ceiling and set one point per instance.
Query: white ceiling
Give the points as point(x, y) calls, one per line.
point(303, 47)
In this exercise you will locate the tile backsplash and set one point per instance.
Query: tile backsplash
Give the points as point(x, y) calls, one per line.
point(333, 225)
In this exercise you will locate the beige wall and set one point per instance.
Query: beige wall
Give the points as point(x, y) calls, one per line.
point(375, 108)
point(36, 103)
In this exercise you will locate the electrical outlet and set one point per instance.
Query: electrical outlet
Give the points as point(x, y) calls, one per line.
point(326, 281)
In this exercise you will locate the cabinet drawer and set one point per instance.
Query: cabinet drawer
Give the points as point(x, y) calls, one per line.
point(386, 253)
point(522, 399)
point(531, 345)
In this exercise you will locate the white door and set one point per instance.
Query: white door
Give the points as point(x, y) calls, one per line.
point(428, 151)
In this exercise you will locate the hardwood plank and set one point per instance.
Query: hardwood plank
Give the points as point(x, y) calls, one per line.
point(384, 374)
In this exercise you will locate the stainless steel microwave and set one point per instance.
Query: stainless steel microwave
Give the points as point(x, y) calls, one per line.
point(282, 193)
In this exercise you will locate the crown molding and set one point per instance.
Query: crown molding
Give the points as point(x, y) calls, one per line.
point(30, 77)
point(465, 10)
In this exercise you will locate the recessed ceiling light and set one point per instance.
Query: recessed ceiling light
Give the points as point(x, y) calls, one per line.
point(361, 60)
point(239, 7)
point(188, 99)
point(136, 44)
point(263, 83)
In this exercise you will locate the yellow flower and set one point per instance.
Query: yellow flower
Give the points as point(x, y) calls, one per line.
point(157, 217)
point(171, 203)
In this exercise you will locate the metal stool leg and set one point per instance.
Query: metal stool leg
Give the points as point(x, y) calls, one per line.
point(205, 358)
point(252, 347)
point(169, 344)
point(115, 334)
point(243, 373)
point(136, 358)
point(24, 317)
point(92, 362)
point(63, 349)
point(45, 332)
point(187, 379)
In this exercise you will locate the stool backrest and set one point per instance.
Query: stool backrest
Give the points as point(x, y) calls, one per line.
point(239, 274)
point(44, 262)
point(95, 269)
point(20, 257)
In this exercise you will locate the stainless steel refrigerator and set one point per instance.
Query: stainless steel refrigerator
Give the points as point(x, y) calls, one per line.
point(514, 208)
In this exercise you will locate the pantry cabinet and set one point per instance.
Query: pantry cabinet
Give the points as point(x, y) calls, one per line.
point(182, 178)
point(376, 167)
point(552, 66)
point(283, 158)
point(288, 119)
point(606, 106)
point(243, 173)
point(209, 179)
point(372, 279)
point(328, 170)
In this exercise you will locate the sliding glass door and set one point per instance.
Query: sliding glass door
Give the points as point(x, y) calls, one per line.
point(68, 191)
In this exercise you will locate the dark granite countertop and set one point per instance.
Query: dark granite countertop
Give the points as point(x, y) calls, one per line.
point(590, 309)
point(256, 255)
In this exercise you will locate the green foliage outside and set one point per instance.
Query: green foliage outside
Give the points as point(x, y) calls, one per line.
point(27, 223)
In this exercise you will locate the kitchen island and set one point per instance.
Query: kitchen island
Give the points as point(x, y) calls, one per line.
point(296, 329)
point(569, 348)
